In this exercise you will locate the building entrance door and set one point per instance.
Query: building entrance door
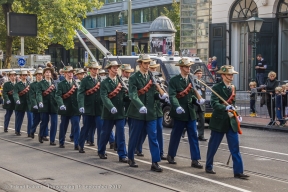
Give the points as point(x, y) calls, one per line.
point(284, 55)
point(244, 58)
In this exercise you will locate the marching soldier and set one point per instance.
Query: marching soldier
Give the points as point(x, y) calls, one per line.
point(143, 94)
point(66, 97)
point(21, 98)
point(80, 74)
point(221, 123)
point(45, 96)
point(9, 103)
point(126, 73)
point(200, 109)
point(34, 106)
point(90, 105)
point(113, 113)
point(182, 98)
point(153, 68)
point(103, 74)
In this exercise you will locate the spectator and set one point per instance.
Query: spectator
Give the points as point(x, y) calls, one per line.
point(209, 66)
point(4, 74)
point(278, 97)
point(61, 76)
point(260, 67)
point(284, 101)
point(253, 98)
point(2, 80)
point(271, 84)
point(214, 65)
point(1, 96)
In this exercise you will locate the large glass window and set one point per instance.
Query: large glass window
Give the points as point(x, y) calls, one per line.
point(88, 22)
point(154, 13)
point(109, 19)
point(146, 14)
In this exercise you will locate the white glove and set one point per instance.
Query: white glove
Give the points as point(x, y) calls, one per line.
point(8, 102)
point(41, 105)
point(167, 100)
point(230, 107)
point(82, 110)
point(62, 107)
point(35, 107)
point(114, 110)
point(18, 102)
point(164, 96)
point(240, 119)
point(201, 102)
point(180, 110)
point(143, 110)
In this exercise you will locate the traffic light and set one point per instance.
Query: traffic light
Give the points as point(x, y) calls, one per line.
point(120, 36)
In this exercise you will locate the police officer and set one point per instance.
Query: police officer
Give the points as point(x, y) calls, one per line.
point(113, 95)
point(9, 103)
point(182, 99)
point(143, 94)
point(90, 105)
point(21, 98)
point(66, 97)
point(221, 124)
point(153, 68)
point(34, 106)
point(200, 109)
point(45, 95)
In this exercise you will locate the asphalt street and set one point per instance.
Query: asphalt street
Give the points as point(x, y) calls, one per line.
point(27, 163)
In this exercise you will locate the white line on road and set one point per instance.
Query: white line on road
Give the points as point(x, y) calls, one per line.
point(171, 169)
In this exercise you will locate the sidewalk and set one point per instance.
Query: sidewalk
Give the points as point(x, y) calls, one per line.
point(261, 123)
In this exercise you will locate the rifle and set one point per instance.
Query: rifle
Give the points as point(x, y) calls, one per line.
point(191, 79)
point(154, 81)
point(120, 78)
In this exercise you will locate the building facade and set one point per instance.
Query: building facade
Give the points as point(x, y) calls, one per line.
point(195, 19)
point(104, 23)
point(230, 39)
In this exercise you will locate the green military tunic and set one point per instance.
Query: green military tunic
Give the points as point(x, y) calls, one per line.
point(32, 97)
point(7, 87)
point(49, 101)
point(137, 82)
point(108, 86)
point(176, 85)
point(158, 108)
point(220, 121)
point(24, 99)
point(70, 103)
point(92, 103)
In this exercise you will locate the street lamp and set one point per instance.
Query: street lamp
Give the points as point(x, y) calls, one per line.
point(254, 24)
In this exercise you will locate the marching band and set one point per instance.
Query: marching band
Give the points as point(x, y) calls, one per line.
point(105, 101)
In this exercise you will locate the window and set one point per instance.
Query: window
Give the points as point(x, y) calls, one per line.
point(88, 22)
point(136, 16)
point(154, 13)
point(146, 14)
point(100, 21)
point(109, 19)
point(244, 9)
point(283, 8)
point(94, 21)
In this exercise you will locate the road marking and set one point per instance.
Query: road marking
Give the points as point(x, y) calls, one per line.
point(168, 168)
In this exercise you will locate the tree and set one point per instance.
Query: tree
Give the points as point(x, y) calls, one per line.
point(174, 15)
point(57, 21)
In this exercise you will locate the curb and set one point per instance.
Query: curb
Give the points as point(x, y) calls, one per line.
point(264, 127)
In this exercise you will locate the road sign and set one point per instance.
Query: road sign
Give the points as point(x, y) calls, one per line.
point(1, 54)
point(86, 58)
point(21, 62)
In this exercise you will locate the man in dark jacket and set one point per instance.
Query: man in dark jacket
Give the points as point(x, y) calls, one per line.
point(9, 103)
point(224, 122)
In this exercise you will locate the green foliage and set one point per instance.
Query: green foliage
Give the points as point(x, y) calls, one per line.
point(174, 15)
point(57, 21)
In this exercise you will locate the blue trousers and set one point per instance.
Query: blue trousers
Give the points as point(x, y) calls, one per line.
point(7, 118)
point(159, 137)
point(64, 126)
point(279, 116)
point(137, 127)
point(30, 121)
point(106, 133)
point(44, 125)
point(35, 123)
point(175, 137)
point(233, 144)
point(97, 124)
point(19, 116)
point(260, 78)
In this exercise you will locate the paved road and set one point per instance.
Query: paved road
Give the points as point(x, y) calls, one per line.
point(265, 156)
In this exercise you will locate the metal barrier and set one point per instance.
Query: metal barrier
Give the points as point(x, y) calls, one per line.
point(262, 100)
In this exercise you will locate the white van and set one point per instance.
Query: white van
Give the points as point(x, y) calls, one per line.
point(17, 70)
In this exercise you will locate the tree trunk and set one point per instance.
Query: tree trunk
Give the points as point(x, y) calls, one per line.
point(9, 40)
